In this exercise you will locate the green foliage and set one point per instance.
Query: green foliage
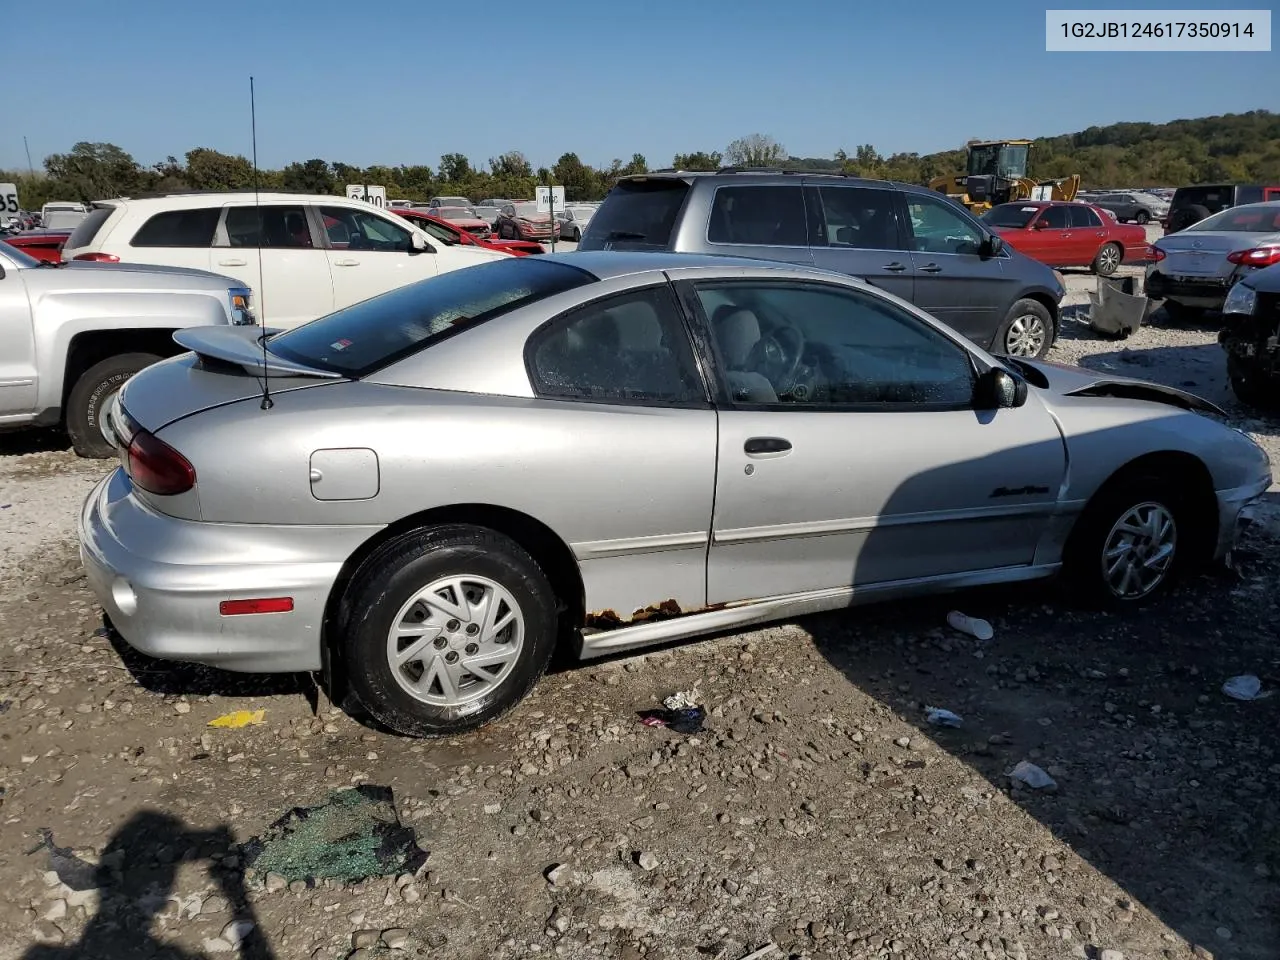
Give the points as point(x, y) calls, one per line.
point(1234, 147)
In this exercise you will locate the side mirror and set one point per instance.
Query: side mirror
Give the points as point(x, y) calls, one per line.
point(998, 389)
point(419, 245)
point(994, 245)
point(1039, 225)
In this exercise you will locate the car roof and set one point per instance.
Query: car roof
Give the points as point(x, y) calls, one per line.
point(778, 175)
point(216, 198)
point(607, 264)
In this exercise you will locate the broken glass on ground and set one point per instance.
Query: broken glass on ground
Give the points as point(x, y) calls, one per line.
point(353, 835)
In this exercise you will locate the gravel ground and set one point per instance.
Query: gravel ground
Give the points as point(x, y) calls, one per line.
point(817, 810)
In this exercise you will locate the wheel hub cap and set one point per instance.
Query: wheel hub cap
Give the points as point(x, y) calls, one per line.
point(1139, 551)
point(1026, 336)
point(455, 640)
point(1109, 258)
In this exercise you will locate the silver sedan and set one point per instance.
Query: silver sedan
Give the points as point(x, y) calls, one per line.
point(574, 220)
point(426, 493)
point(1194, 269)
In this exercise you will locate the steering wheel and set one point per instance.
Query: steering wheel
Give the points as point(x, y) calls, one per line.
point(777, 356)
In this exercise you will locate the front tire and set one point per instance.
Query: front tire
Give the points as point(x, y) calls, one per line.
point(1143, 218)
point(1026, 332)
point(1250, 388)
point(1130, 545)
point(1107, 261)
point(577, 235)
point(89, 397)
point(445, 629)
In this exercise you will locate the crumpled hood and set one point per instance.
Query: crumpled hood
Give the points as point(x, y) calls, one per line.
point(1065, 380)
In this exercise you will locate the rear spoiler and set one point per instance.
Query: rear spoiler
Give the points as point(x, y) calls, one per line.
point(242, 346)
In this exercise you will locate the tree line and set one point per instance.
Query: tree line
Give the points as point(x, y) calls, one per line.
point(1232, 147)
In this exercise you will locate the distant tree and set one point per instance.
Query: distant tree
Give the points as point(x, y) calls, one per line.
point(755, 150)
point(96, 171)
point(211, 170)
point(455, 168)
point(580, 181)
point(511, 165)
point(313, 176)
point(638, 164)
point(699, 160)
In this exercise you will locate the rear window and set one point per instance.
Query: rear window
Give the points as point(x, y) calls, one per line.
point(1212, 199)
point(84, 232)
point(1263, 218)
point(636, 215)
point(370, 335)
point(179, 228)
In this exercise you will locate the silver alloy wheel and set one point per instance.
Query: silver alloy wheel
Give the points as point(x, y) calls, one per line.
point(1139, 551)
point(1026, 336)
point(455, 640)
point(1108, 259)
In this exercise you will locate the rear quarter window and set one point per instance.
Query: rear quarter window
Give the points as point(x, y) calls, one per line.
point(178, 228)
point(88, 228)
point(637, 215)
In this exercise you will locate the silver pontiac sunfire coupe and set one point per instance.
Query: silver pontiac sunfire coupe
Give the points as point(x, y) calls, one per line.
point(613, 450)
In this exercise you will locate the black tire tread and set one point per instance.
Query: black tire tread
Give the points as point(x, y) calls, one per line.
point(87, 437)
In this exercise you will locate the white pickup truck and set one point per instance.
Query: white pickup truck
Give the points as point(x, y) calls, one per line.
point(72, 333)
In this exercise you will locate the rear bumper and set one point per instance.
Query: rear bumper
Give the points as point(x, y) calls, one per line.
point(161, 579)
point(1208, 292)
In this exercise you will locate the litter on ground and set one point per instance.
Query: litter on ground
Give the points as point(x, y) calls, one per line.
point(239, 718)
point(1032, 776)
point(687, 720)
point(942, 718)
point(970, 625)
point(682, 700)
point(1244, 687)
point(353, 835)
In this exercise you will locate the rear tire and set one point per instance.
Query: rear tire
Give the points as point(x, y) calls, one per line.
point(432, 695)
point(577, 235)
point(1143, 218)
point(1109, 561)
point(1107, 261)
point(1187, 216)
point(89, 396)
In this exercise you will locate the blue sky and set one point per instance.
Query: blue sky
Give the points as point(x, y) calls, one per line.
point(403, 81)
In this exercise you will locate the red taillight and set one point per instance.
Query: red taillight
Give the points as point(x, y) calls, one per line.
point(158, 468)
point(97, 257)
point(236, 608)
point(1156, 255)
point(1257, 257)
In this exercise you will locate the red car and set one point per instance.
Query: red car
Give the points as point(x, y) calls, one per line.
point(1074, 234)
point(41, 244)
point(451, 233)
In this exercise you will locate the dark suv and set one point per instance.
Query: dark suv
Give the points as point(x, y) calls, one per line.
point(908, 240)
point(1192, 204)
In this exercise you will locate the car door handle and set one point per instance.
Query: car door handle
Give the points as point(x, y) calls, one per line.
point(346, 263)
point(894, 267)
point(232, 263)
point(763, 446)
point(931, 268)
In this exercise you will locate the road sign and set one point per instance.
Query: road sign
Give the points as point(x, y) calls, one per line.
point(8, 201)
point(546, 197)
point(368, 192)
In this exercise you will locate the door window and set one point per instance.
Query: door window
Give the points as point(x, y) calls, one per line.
point(177, 228)
point(860, 218)
point(1083, 217)
point(349, 229)
point(1055, 218)
point(758, 215)
point(938, 227)
point(272, 227)
point(627, 349)
point(817, 345)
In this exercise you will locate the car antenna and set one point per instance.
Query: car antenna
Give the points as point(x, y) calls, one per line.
point(267, 402)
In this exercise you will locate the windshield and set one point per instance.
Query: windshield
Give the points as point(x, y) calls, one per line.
point(526, 210)
point(453, 202)
point(582, 213)
point(982, 160)
point(1013, 161)
point(360, 339)
point(1008, 160)
point(1253, 218)
point(19, 257)
point(455, 213)
point(1010, 215)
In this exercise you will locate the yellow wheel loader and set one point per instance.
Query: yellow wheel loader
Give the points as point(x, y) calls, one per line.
point(996, 172)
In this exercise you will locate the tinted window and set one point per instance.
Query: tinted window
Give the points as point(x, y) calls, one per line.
point(858, 217)
point(1083, 217)
point(371, 334)
point(1013, 215)
point(939, 227)
point(1211, 198)
point(178, 228)
point(758, 215)
point(1259, 218)
point(88, 228)
point(438, 232)
point(636, 215)
point(273, 227)
point(819, 345)
point(357, 230)
point(1055, 218)
point(631, 348)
